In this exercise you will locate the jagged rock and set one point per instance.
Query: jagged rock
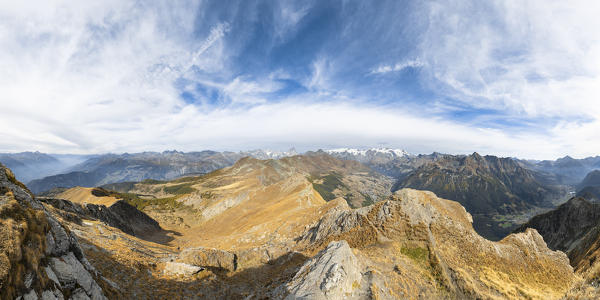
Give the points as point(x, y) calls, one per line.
point(52, 295)
point(36, 238)
point(70, 272)
point(209, 258)
point(51, 275)
point(32, 295)
point(484, 185)
point(8, 181)
point(175, 268)
point(438, 234)
point(332, 274)
point(79, 294)
point(60, 237)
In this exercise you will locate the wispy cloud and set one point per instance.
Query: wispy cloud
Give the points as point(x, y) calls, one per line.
point(535, 58)
point(216, 33)
point(133, 76)
point(415, 63)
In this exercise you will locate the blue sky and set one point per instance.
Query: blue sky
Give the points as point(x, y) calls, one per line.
point(511, 78)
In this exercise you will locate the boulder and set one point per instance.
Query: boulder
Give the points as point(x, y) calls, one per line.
point(332, 274)
point(175, 268)
point(209, 258)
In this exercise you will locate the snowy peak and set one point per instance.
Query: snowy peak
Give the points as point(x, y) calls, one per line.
point(367, 155)
point(268, 154)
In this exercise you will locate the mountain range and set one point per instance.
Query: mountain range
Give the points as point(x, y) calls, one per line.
point(306, 226)
point(32, 165)
point(492, 189)
point(259, 229)
point(111, 168)
point(499, 192)
point(565, 170)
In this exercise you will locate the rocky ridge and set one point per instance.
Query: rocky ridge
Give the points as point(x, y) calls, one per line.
point(120, 215)
point(39, 257)
point(446, 257)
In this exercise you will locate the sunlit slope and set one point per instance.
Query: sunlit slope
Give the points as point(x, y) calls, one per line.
point(83, 195)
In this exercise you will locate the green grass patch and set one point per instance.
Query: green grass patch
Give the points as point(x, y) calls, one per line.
point(121, 187)
point(329, 183)
point(163, 203)
point(418, 254)
point(153, 181)
point(505, 225)
point(180, 189)
point(187, 179)
point(139, 203)
point(368, 200)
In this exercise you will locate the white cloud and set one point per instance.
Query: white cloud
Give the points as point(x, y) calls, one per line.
point(415, 63)
point(96, 77)
point(533, 58)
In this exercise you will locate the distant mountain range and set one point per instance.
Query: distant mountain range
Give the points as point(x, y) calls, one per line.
point(589, 188)
point(489, 187)
point(566, 170)
point(111, 168)
point(493, 189)
point(32, 165)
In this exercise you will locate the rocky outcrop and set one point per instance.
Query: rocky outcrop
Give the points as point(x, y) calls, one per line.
point(175, 268)
point(119, 215)
point(208, 258)
point(416, 233)
point(332, 274)
point(39, 257)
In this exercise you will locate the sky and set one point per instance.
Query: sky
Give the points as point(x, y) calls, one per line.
point(509, 78)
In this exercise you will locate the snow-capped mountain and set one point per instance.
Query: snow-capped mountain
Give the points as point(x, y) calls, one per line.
point(268, 154)
point(367, 155)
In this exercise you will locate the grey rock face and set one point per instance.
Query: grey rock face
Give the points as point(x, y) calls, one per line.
point(67, 268)
point(52, 295)
point(32, 295)
point(71, 273)
point(59, 236)
point(332, 274)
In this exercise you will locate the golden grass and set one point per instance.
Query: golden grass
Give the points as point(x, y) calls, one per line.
point(22, 244)
point(84, 195)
